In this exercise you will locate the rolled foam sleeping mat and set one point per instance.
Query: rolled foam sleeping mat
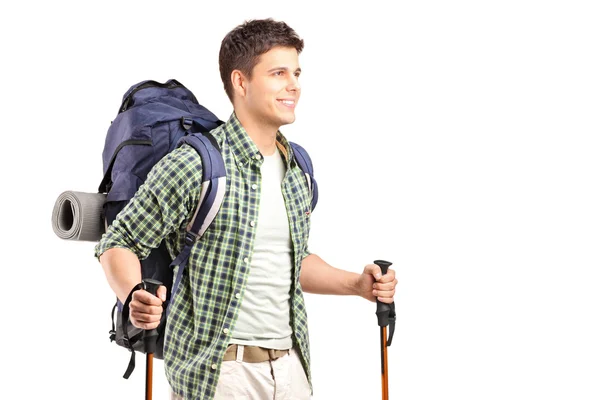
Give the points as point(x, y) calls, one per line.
point(79, 216)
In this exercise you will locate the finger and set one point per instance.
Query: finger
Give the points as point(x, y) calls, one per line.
point(387, 300)
point(146, 298)
point(145, 309)
point(389, 276)
point(373, 269)
point(385, 286)
point(144, 318)
point(162, 293)
point(145, 326)
point(384, 293)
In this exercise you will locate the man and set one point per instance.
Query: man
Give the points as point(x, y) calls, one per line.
point(237, 326)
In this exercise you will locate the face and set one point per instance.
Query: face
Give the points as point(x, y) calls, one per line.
point(271, 95)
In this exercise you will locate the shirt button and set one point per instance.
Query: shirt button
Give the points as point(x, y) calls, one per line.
point(237, 295)
point(251, 223)
point(254, 186)
point(226, 331)
point(257, 156)
point(246, 260)
point(214, 366)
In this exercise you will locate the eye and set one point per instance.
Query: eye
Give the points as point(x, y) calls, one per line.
point(279, 73)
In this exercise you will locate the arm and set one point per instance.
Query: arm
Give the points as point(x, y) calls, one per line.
point(321, 278)
point(160, 207)
point(122, 269)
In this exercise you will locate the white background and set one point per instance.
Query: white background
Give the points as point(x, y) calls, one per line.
point(458, 140)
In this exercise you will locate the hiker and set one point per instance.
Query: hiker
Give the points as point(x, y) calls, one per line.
point(237, 325)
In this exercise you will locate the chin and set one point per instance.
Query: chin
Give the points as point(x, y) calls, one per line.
point(287, 119)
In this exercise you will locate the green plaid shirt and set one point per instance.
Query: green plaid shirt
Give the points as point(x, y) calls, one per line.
point(204, 312)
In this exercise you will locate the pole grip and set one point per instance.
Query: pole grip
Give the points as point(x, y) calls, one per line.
point(150, 336)
point(383, 265)
point(151, 285)
point(383, 309)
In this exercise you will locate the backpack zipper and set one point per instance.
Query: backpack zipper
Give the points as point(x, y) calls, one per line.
point(172, 84)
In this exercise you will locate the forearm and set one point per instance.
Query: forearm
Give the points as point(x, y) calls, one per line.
point(319, 277)
point(122, 269)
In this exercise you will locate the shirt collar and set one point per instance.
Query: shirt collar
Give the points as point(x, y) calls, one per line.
point(245, 150)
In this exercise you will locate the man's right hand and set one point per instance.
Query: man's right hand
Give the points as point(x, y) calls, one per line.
point(146, 309)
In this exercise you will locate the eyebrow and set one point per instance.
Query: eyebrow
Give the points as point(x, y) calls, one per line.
point(283, 68)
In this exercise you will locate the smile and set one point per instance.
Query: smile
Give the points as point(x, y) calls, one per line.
point(287, 103)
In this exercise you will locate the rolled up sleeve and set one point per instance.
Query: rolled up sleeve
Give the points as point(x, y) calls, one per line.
point(161, 206)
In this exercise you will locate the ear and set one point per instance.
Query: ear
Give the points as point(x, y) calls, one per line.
point(238, 82)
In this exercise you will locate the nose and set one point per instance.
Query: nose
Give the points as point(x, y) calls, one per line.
point(294, 84)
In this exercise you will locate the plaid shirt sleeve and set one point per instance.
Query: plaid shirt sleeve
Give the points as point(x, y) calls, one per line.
point(161, 206)
point(305, 252)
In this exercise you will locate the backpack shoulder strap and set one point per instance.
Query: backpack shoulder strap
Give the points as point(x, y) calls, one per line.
point(213, 181)
point(212, 193)
point(305, 163)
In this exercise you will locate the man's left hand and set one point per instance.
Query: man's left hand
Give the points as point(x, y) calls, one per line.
point(373, 286)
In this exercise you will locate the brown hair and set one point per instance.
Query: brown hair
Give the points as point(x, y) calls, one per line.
point(242, 47)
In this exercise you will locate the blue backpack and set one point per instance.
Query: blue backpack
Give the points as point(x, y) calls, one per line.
point(153, 120)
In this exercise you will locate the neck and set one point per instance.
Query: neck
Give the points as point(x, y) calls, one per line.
point(263, 135)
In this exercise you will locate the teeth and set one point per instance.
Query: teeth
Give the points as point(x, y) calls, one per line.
point(288, 102)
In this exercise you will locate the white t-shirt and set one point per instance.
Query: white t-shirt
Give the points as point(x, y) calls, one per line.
point(264, 316)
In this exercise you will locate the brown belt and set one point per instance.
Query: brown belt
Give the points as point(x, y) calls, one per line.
point(253, 354)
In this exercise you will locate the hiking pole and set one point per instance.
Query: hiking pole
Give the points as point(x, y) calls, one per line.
point(151, 286)
point(386, 315)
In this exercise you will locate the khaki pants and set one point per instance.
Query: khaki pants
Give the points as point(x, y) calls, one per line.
point(281, 379)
